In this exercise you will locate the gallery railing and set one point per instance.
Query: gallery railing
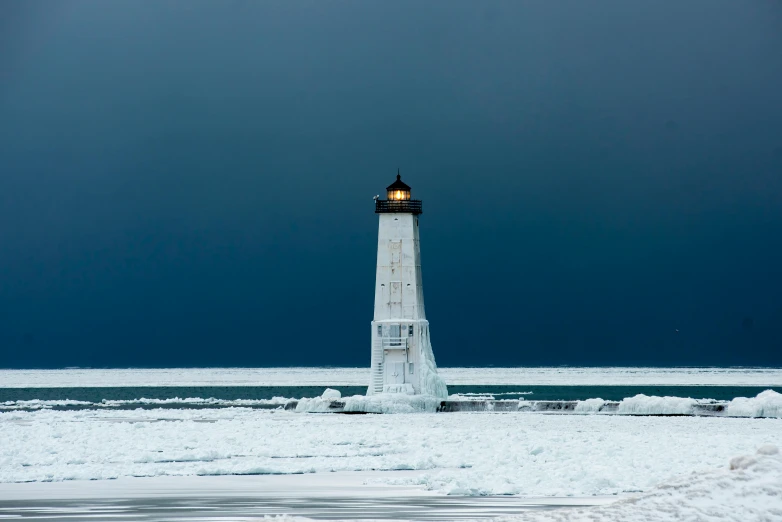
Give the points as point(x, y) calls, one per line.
point(406, 206)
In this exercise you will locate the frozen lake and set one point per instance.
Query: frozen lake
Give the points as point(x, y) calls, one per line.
point(192, 445)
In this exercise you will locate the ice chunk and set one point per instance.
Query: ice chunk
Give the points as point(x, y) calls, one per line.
point(742, 462)
point(331, 395)
point(766, 404)
point(379, 403)
point(652, 405)
point(590, 406)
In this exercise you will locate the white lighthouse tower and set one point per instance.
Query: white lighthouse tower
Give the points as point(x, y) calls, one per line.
point(402, 357)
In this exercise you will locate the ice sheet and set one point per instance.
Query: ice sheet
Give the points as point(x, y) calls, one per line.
point(310, 485)
point(562, 376)
point(37, 404)
point(746, 489)
point(459, 453)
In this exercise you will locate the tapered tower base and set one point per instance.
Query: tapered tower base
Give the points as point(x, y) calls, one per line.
point(404, 365)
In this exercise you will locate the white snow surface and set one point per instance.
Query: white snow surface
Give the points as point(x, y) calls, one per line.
point(750, 490)
point(458, 453)
point(561, 376)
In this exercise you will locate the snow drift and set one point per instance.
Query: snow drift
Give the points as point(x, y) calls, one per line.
point(749, 490)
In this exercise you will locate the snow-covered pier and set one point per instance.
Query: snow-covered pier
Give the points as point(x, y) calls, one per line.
point(766, 404)
point(608, 407)
point(561, 407)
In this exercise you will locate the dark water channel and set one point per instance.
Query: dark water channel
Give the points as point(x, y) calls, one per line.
point(135, 397)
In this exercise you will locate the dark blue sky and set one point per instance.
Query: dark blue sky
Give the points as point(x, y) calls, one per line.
point(190, 183)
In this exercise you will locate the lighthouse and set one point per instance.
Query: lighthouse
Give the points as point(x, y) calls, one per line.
point(402, 358)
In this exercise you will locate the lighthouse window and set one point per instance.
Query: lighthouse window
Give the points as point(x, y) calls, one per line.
point(410, 332)
point(379, 330)
point(411, 368)
point(398, 195)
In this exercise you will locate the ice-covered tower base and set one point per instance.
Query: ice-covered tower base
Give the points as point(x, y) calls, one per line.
point(402, 357)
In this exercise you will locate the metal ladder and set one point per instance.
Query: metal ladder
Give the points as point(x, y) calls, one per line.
point(377, 367)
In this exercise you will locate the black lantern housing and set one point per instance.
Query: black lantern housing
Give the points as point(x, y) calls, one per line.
point(398, 194)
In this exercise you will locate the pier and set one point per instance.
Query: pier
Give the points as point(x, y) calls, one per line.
point(715, 409)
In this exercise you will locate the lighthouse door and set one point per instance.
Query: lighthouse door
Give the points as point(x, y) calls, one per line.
point(399, 373)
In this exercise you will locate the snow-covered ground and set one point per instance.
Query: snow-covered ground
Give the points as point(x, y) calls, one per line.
point(460, 453)
point(749, 490)
point(562, 376)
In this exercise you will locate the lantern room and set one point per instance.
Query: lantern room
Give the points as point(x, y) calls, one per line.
point(398, 190)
